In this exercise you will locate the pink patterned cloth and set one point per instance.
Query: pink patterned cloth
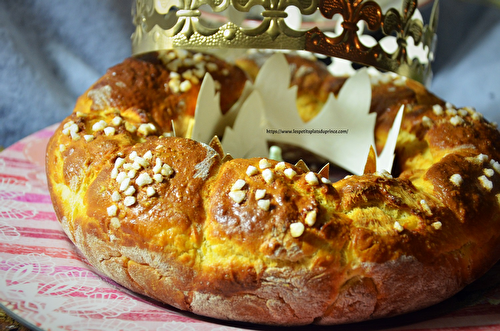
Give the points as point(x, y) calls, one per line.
point(47, 284)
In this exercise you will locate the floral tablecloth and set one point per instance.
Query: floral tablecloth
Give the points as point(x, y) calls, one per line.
point(46, 284)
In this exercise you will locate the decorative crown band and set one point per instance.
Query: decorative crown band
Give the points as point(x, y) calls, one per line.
point(170, 24)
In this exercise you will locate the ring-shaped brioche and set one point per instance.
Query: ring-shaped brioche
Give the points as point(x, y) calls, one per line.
point(262, 241)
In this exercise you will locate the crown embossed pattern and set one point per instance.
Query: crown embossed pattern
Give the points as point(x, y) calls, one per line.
point(169, 24)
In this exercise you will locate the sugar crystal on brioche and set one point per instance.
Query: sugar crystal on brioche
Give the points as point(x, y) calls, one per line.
point(264, 241)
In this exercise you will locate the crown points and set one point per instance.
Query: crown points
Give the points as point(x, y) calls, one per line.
point(169, 24)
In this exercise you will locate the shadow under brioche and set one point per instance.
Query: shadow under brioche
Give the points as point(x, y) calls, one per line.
point(261, 241)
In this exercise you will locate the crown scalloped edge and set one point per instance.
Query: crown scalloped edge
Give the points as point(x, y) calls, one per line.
point(173, 24)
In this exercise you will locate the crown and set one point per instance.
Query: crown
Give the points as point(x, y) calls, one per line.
point(337, 30)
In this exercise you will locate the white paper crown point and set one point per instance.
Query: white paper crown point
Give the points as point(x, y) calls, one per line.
point(206, 125)
point(386, 158)
point(244, 139)
point(342, 132)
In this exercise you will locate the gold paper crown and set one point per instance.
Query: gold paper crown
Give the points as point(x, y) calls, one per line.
point(171, 24)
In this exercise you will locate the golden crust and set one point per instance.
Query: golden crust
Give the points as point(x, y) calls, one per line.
point(246, 239)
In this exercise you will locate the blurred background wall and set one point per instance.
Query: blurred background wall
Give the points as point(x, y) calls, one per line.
point(52, 51)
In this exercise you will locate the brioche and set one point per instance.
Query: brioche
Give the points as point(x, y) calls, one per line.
point(261, 241)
